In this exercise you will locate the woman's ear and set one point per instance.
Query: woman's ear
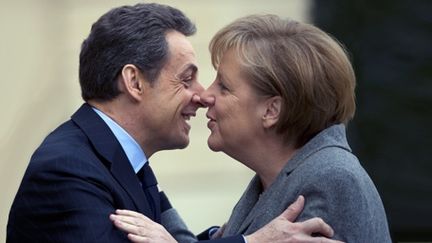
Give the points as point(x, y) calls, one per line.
point(132, 82)
point(272, 112)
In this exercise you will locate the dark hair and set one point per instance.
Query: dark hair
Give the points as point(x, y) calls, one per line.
point(127, 35)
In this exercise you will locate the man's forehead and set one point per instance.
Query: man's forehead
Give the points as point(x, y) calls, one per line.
point(181, 55)
point(177, 42)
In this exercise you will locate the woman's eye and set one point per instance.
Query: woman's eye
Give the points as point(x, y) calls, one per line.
point(222, 86)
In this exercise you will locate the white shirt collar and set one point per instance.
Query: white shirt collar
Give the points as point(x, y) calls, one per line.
point(133, 151)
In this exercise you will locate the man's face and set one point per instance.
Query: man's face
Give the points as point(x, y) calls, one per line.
point(174, 96)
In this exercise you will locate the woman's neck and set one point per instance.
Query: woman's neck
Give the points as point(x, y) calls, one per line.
point(269, 159)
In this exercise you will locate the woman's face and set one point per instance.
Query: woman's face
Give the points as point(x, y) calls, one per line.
point(234, 109)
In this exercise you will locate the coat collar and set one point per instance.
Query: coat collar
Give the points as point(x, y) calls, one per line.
point(333, 136)
point(253, 205)
point(114, 158)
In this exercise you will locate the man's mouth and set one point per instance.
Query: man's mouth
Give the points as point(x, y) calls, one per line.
point(187, 116)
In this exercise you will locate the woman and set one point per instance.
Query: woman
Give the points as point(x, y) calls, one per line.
point(283, 95)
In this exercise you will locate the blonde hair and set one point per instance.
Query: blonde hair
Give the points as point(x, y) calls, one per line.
point(303, 65)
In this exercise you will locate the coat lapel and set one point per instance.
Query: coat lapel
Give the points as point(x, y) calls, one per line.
point(253, 207)
point(262, 203)
point(107, 146)
point(242, 216)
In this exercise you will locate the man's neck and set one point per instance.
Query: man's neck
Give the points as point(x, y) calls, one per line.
point(125, 117)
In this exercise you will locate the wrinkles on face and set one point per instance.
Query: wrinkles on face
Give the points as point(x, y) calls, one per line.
point(182, 85)
point(177, 89)
point(170, 103)
point(233, 105)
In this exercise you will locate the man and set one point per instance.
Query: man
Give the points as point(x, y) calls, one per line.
point(138, 77)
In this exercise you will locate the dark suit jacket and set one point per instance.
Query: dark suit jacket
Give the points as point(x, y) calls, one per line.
point(75, 179)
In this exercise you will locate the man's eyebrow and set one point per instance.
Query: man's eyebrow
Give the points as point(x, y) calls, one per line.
point(189, 67)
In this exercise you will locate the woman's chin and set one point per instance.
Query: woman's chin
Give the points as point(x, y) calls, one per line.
point(213, 145)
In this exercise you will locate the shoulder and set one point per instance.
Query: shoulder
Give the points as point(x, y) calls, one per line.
point(66, 149)
point(337, 173)
point(332, 163)
point(339, 190)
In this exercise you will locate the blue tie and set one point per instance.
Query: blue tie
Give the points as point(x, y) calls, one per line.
point(149, 185)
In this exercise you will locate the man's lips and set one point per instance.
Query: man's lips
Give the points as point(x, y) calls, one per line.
point(188, 115)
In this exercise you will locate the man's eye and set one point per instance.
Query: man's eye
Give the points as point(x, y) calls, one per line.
point(187, 81)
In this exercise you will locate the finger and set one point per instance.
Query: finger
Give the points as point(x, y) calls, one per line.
point(325, 240)
point(218, 233)
point(222, 228)
point(311, 239)
point(129, 220)
point(333, 241)
point(317, 225)
point(137, 238)
point(126, 227)
point(134, 214)
point(126, 212)
point(294, 209)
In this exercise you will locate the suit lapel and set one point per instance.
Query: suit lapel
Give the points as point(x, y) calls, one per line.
point(107, 146)
point(242, 214)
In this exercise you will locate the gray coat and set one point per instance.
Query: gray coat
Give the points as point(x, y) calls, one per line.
point(334, 184)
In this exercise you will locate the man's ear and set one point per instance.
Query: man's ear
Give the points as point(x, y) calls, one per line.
point(272, 111)
point(132, 81)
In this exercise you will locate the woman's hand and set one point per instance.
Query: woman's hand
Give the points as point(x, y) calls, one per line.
point(140, 229)
point(219, 232)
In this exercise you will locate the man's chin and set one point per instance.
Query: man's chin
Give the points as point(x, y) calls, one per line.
point(175, 143)
point(181, 144)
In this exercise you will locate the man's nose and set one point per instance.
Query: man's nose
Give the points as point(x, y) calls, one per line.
point(199, 88)
point(196, 99)
point(207, 99)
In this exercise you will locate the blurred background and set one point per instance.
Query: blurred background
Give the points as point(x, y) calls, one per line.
point(389, 42)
